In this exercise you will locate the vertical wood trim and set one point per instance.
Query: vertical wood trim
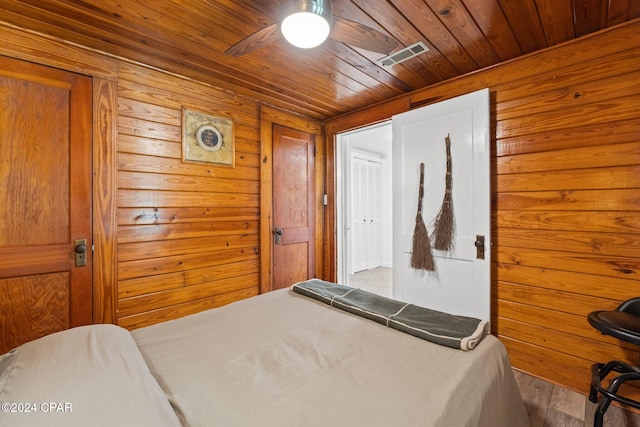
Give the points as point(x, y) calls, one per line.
point(104, 201)
point(80, 192)
point(268, 117)
point(320, 162)
point(266, 200)
point(330, 250)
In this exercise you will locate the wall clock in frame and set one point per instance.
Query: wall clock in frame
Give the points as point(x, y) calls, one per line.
point(207, 138)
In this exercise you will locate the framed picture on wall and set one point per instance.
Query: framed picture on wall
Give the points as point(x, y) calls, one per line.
point(207, 138)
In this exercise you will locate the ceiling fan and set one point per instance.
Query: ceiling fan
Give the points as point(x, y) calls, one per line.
point(302, 33)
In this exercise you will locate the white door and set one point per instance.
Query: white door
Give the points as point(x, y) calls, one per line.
point(358, 215)
point(460, 283)
point(374, 232)
point(366, 218)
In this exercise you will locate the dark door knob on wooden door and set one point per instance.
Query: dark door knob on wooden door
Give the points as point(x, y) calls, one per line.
point(81, 252)
point(278, 233)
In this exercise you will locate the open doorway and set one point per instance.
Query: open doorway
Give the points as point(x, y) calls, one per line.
point(364, 209)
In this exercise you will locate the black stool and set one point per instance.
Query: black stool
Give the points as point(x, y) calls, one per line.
point(624, 324)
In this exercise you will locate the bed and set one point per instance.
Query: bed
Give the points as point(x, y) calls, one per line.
point(278, 359)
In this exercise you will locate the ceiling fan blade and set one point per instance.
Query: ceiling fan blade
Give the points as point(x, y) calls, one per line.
point(359, 35)
point(254, 41)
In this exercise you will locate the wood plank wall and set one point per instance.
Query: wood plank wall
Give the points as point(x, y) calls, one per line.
point(565, 196)
point(565, 211)
point(188, 233)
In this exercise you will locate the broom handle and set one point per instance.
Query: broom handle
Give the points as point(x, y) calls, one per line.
point(449, 173)
point(420, 192)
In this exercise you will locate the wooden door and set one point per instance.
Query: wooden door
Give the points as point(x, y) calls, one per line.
point(460, 283)
point(293, 206)
point(45, 201)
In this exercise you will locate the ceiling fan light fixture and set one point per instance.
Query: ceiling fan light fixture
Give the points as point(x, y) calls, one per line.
point(307, 23)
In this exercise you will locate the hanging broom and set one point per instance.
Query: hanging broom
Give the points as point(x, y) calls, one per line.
point(444, 225)
point(421, 257)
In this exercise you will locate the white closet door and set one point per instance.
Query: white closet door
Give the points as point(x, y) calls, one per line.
point(359, 253)
point(374, 214)
point(366, 216)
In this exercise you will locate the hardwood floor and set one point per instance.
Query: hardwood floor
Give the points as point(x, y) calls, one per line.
point(549, 405)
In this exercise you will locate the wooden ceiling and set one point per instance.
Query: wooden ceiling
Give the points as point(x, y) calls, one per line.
point(189, 37)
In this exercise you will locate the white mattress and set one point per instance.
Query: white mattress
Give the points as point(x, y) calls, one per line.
point(282, 359)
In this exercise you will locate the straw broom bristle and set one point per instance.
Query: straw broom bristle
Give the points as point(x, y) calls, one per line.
point(421, 257)
point(444, 225)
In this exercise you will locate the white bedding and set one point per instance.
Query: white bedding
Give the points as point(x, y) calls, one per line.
point(279, 359)
point(282, 359)
point(86, 376)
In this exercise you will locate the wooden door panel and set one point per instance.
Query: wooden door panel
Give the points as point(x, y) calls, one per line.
point(296, 235)
point(27, 260)
point(41, 301)
point(293, 206)
point(45, 200)
point(295, 267)
point(34, 154)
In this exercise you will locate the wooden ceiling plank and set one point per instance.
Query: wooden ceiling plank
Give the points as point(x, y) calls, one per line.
point(456, 18)
point(618, 11)
point(349, 81)
point(241, 18)
point(589, 16)
point(239, 22)
point(557, 20)
point(634, 10)
point(438, 35)
point(372, 76)
point(316, 70)
point(350, 56)
point(270, 8)
point(525, 23)
point(489, 16)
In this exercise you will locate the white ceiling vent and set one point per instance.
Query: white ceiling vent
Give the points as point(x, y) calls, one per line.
point(404, 54)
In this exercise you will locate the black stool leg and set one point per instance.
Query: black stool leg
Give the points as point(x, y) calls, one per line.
point(599, 371)
point(598, 374)
point(596, 368)
point(602, 407)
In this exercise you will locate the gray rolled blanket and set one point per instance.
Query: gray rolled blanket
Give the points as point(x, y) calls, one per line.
point(450, 330)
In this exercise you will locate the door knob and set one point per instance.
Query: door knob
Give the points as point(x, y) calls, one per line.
point(278, 233)
point(81, 252)
point(479, 244)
